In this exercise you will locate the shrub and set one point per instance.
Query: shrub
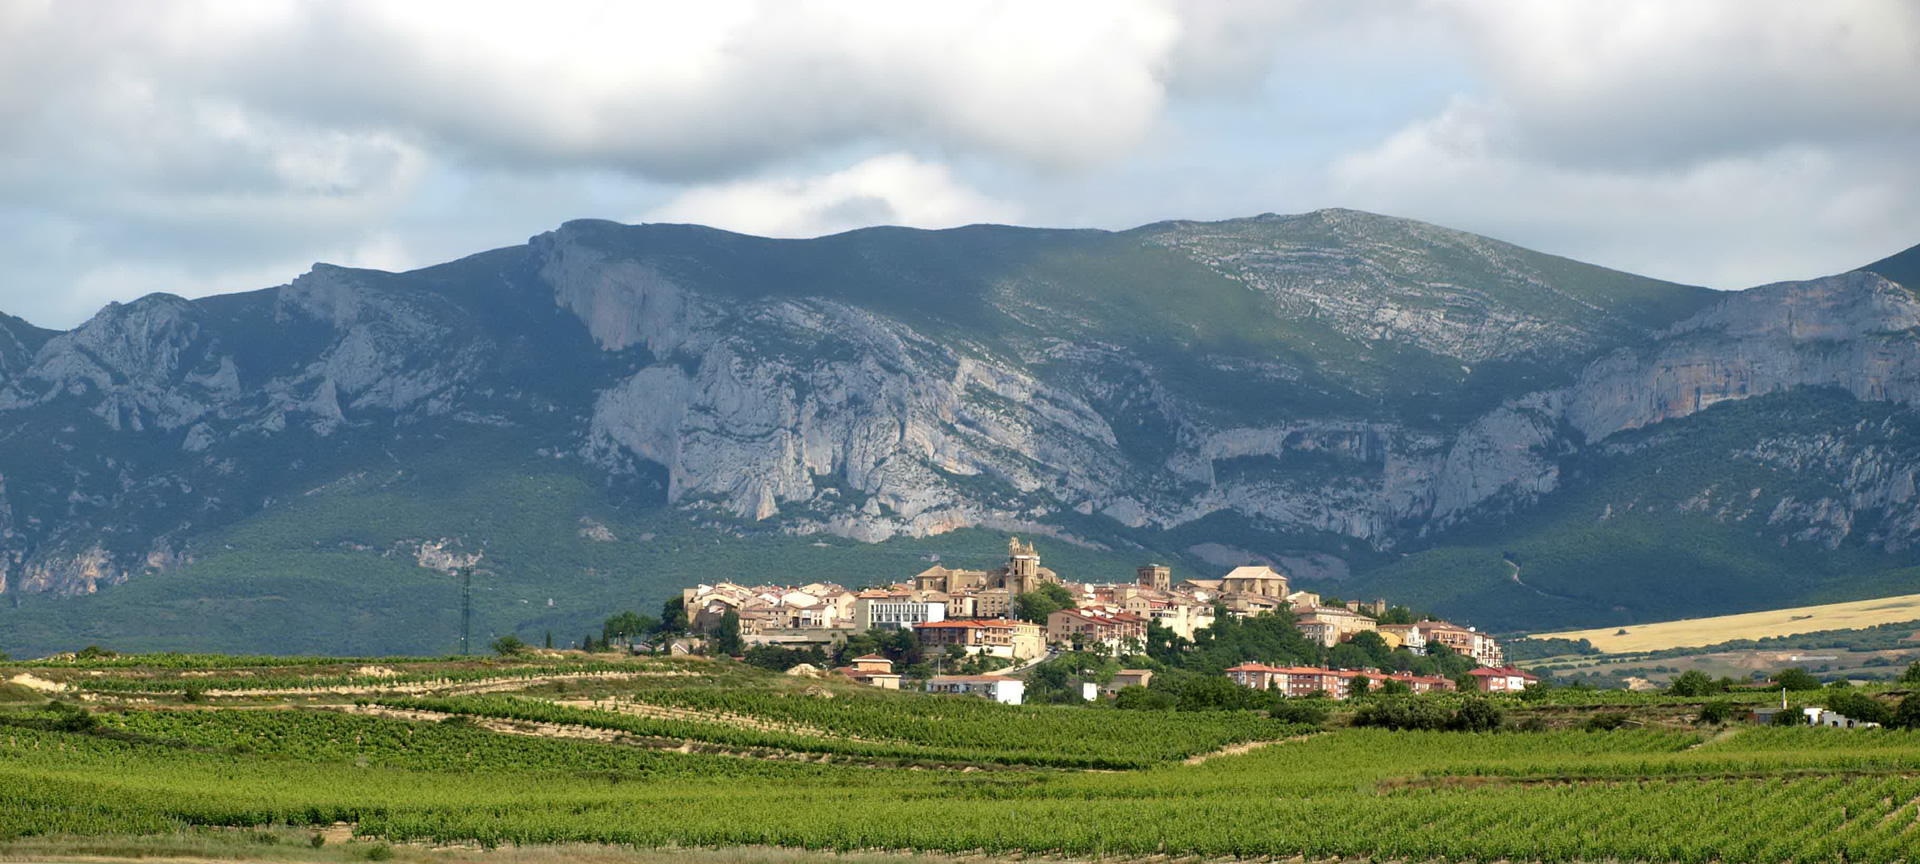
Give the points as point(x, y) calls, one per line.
point(1716, 712)
point(1306, 712)
point(1403, 713)
point(1859, 706)
point(1789, 717)
point(379, 852)
point(1907, 716)
point(317, 841)
point(1796, 679)
point(505, 646)
point(1606, 721)
point(1693, 682)
point(1134, 697)
point(1477, 715)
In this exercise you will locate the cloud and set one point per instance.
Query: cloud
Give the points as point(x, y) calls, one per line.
point(1727, 143)
point(1650, 83)
point(1732, 220)
point(895, 189)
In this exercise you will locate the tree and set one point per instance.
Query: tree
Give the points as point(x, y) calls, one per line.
point(726, 637)
point(1390, 687)
point(1907, 716)
point(1447, 663)
point(509, 645)
point(1477, 715)
point(1797, 679)
point(1693, 682)
point(1379, 654)
point(1134, 697)
point(1360, 686)
point(549, 640)
point(1347, 655)
point(627, 627)
point(1398, 615)
point(1716, 712)
point(1912, 675)
point(1855, 705)
point(1306, 712)
point(1045, 600)
point(673, 617)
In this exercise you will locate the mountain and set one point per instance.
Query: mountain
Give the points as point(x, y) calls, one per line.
point(609, 412)
point(1902, 267)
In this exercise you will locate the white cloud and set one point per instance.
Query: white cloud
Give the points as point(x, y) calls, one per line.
point(885, 190)
point(1731, 221)
point(1634, 83)
point(1724, 142)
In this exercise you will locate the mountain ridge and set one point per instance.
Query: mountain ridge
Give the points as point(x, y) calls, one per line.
point(1335, 391)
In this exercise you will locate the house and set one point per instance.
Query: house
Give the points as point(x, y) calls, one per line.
point(872, 670)
point(895, 612)
point(1258, 581)
point(1464, 641)
point(1331, 625)
point(1297, 681)
point(1097, 626)
point(1504, 679)
point(1131, 678)
point(1406, 636)
point(999, 688)
point(998, 637)
point(1292, 681)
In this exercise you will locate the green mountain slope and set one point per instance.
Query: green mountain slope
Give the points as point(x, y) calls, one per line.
point(610, 413)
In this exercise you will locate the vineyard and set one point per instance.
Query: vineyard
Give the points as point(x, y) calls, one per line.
point(824, 765)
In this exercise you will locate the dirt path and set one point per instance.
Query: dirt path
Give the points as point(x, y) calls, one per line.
point(1242, 748)
point(29, 681)
point(662, 712)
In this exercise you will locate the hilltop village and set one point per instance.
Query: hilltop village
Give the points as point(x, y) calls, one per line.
point(997, 624)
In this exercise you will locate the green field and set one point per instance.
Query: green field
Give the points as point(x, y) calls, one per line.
point(173, 753)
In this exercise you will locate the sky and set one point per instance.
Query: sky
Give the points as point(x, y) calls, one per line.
point(205, 147)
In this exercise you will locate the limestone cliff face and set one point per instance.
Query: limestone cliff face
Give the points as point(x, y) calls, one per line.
point(837, 386)
point(1853, 332)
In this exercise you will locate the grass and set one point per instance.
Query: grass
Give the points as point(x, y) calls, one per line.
point(1696, 632)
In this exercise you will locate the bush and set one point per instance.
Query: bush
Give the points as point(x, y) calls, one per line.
point(194, 692)
point(1716, 712)
point(1907, 716)
point(1859, 706)
point(317, 841)
point(505, 646)
point(1912, 675)
point(1606, 721)
point(1208, 693)
point(1134, 697)
point(1789, 717)
point(1796, 679)
point(1403, 713)
point(1305, 712)
point(1477, 715)
point(1694, 682)
point(379, 852)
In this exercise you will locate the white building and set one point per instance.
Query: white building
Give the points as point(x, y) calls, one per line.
point(895, 613)
point(1001, 689)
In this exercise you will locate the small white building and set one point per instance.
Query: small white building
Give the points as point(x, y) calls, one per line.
point(896, 613)
point(999, 688)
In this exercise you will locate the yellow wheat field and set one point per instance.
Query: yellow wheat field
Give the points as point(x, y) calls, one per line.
point(1695, 632)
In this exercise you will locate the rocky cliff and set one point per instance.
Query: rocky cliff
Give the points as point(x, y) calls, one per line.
point(1335, 389)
